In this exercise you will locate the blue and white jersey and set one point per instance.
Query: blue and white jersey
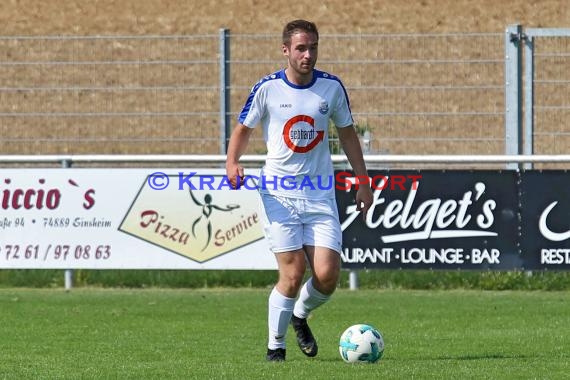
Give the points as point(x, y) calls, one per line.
point(295, 122)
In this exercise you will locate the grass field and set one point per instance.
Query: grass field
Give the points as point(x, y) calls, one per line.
point(221, 334)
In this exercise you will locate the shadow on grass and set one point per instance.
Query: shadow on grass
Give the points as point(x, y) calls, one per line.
point(482, 357)
point(468, 357)
point(488, 356)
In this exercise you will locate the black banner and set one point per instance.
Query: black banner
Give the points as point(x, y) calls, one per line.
point(545, 221)
point(434, 219)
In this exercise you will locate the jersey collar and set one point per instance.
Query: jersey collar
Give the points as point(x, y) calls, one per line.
point(284, 77)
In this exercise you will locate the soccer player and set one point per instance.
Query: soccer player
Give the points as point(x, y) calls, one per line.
point(301, 221)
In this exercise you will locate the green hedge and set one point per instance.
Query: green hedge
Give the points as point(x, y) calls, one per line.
point(370, 279)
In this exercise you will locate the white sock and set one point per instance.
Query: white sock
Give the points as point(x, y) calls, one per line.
point(280, 311)
point(309, 299)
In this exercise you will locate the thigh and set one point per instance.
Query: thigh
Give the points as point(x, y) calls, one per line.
point(291, 264)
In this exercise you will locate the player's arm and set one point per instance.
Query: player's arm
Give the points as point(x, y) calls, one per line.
point(236, 147)
point(351, 146)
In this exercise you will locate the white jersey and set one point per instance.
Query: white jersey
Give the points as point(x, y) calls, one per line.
point(295, 121)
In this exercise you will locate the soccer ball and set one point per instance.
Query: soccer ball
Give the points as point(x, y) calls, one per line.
point(361, 344)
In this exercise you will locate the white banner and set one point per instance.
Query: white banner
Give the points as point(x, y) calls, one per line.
point(129, 219)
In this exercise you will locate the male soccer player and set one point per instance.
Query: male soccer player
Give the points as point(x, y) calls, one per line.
point(301, 223)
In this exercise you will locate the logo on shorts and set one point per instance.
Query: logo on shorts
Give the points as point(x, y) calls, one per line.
point(300, 134)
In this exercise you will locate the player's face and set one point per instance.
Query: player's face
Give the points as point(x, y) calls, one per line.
point(302, 53)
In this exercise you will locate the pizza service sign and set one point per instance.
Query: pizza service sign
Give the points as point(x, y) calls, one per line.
point(193, 216)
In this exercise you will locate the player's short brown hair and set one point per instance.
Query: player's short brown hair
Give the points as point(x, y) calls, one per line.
point(295, 26)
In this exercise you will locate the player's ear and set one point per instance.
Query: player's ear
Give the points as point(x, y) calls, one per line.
point(285, 50)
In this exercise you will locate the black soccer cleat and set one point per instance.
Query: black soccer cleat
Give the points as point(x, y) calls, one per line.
point(305, 338)
point(277, 355)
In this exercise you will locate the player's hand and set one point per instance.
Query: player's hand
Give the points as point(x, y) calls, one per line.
point(364, 199)
point(234, 172)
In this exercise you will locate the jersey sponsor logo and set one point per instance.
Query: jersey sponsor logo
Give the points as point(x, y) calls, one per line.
point(300, 139)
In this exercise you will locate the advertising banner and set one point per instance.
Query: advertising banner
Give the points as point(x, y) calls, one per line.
point(434, 219)
point(545, 219)
point(192, 219)
point(128, 219)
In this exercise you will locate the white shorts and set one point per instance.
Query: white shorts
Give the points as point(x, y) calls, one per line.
point(291, 223)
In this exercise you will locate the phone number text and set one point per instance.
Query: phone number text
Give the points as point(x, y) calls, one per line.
point(55, 252)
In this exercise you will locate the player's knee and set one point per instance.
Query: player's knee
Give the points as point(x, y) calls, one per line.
point(325, 278)
point(290, 283)
point(326, 284)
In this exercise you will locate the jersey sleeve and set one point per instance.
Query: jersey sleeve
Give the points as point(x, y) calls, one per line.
point(341, 115)
point(254, 107)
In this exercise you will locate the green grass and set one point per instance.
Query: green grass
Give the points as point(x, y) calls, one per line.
point(368, 279)
point(221, 334)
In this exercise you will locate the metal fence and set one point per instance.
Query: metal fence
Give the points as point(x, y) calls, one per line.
point(112, 94)
point(547, 91)
point(412, 93)
point(415, 94)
